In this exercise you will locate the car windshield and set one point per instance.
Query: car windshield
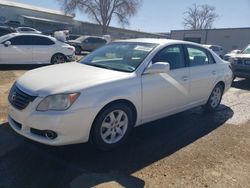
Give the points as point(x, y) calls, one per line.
point(246, 50)
point(120, 56)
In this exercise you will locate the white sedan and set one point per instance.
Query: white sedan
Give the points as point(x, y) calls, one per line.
point(27, 30)
point(27, 48)
point(114, 89)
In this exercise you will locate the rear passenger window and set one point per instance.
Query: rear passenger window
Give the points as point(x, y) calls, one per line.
point(173, 55)
point(42, 41)
point(198, 56)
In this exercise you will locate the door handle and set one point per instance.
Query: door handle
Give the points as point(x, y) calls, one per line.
point(184, 78)
point(213, 72)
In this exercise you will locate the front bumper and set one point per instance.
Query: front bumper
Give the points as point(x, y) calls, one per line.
point(242, 71)
point(70, 126)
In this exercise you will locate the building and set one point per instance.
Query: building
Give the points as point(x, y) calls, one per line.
point(40, 18)
point(228, 38)
point(48, 21)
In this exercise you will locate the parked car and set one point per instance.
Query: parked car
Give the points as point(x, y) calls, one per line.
point(4, 30)
point(217, 49)
point(87, 43)
point(20, 48)
point(241, 63)
point(73, 37)
point(115, 88)
point(231, 54)
point(27, 30)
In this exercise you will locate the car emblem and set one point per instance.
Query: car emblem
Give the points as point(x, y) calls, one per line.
point(13, 96)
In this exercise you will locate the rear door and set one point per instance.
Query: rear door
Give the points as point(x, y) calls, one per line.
point(43, 49)
point(203, 73)
point(19, 52)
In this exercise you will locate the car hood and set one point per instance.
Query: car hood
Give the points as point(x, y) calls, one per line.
point(241, 55)
point(65, 78)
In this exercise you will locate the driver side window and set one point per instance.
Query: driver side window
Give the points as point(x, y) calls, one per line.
point(173, 55)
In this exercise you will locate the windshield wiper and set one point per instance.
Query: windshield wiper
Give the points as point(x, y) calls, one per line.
point(98, 65)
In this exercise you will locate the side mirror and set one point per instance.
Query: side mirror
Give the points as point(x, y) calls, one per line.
point(238, 51)
point(159, 67)
point(7, 43)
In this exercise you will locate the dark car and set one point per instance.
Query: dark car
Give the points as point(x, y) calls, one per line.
point(241, 63)
point(4, 30)
point(87, 43)
point(73, 37)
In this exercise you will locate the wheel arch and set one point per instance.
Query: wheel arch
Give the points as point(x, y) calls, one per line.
point(57, 53)
point(119, 101)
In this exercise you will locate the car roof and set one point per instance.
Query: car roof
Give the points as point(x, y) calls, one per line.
point(210, 45)
point(31, 34)
point(160, 41)
point(26, 28)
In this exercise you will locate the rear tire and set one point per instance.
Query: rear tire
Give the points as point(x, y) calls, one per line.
point(58, 59)
point(112, 127)
point(215, 98)
point(78, 50)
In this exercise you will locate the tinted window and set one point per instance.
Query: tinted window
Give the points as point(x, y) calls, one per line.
point(198, 56)
point(21, 40)
point(173, 55)
point(95, 40)
point(42, 41)
point(27, 29)
point(215, 48)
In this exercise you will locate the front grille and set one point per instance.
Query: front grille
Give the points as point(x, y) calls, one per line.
point(19, 99)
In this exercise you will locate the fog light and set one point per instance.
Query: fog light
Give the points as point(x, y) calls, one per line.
point(50, 134)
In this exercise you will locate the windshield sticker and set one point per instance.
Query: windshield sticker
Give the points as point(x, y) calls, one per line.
point(143, 48)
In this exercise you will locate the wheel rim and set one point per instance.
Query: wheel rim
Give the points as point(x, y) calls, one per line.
point(215, 98)
point(114, 126)
point(58, 59)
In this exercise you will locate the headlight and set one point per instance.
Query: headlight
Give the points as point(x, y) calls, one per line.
point(58, 102)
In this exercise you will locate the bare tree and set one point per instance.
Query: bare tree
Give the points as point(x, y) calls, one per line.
point(200, 17)
point(102, 11)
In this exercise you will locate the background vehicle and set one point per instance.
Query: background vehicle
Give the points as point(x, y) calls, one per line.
point(231, 54)
point(87, 43)
point(4, 30)
point(116, 87)
point(217, 49)
point(73, 37)
point(241, 63)
point(21, 48)
point(27, 30)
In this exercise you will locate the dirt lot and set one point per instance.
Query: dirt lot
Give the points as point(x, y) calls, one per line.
point(190, 149)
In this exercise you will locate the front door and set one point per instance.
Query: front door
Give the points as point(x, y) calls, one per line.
point(19, 52)
point(166, 93)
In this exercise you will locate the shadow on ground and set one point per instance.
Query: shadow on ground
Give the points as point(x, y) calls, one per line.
point(242, 84)
point(24, 163)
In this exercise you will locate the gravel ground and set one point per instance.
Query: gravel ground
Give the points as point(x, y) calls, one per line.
point(190, 149)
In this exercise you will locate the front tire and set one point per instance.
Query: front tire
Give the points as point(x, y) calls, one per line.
point(215, 98)
point(112, 127)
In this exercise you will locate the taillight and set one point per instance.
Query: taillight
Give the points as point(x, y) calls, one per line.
point(72, 49)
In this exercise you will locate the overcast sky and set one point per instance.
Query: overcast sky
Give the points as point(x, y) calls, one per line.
point(166, 15)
